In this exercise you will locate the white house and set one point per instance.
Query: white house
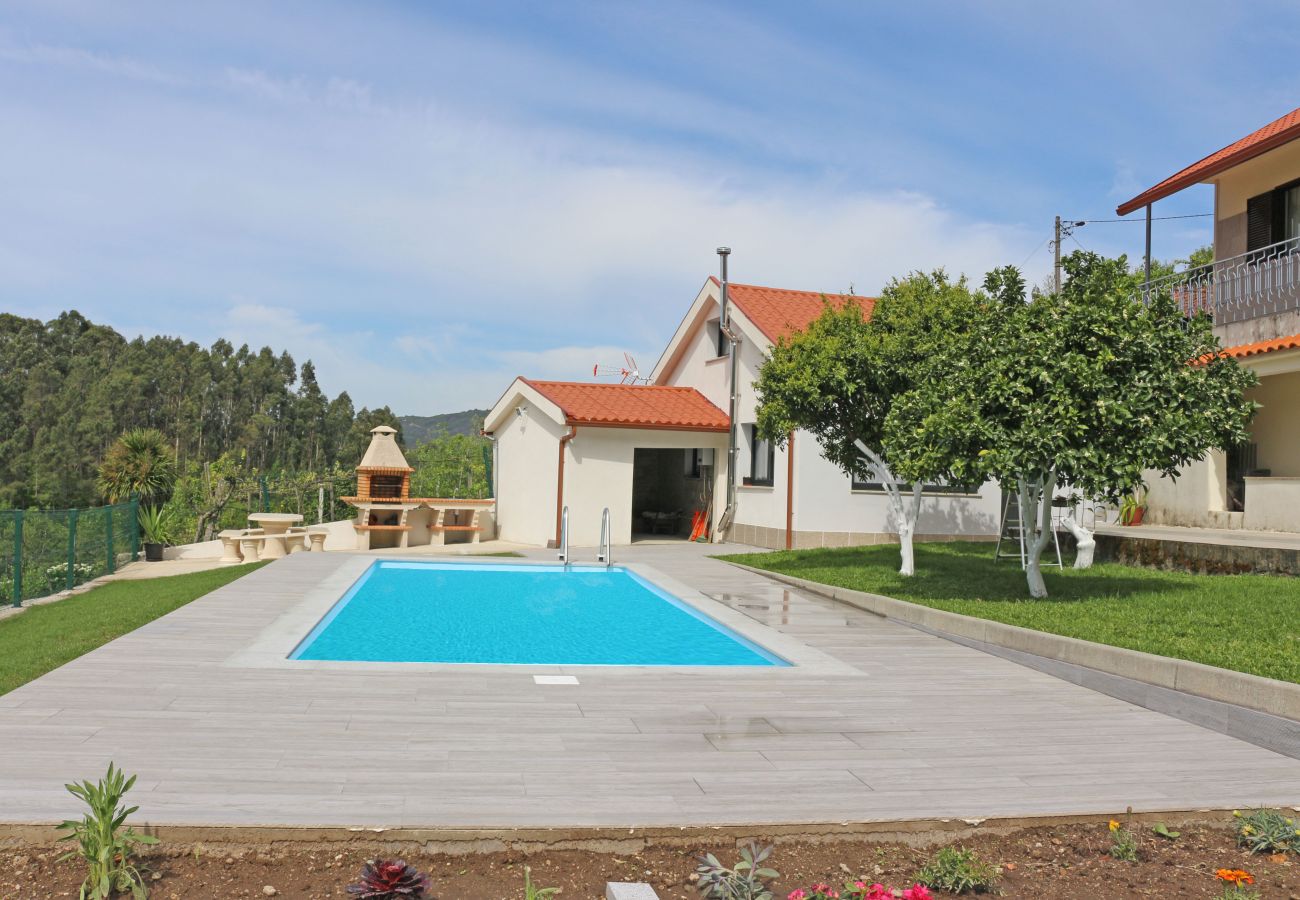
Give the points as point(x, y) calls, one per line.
point(657, 455)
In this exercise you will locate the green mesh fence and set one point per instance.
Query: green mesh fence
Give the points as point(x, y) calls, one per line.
point(44, 551)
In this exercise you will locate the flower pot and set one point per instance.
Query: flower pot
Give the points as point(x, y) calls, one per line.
point(1135, 516)
point(153, 552)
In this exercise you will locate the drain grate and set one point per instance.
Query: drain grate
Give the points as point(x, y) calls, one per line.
point(555, 679)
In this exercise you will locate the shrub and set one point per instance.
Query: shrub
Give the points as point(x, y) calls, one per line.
point(1267, 831)
point(389, 879)
point(105, 847)
point(56, 577)
point(747, 881)
point(958, 871)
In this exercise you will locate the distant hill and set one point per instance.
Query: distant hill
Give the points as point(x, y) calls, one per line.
point(417, 430)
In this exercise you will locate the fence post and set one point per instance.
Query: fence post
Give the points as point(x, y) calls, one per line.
point(72, 548)
point(134, 510)
point(108, 533)
point(18, 557)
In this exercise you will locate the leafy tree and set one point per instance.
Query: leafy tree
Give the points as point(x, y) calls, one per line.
point(139, 462)
point(1087, 388)
point(840, 378)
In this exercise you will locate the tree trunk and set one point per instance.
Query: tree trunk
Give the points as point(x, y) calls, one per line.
point(1036, 521)
point(1087, 544)
point(904, 514)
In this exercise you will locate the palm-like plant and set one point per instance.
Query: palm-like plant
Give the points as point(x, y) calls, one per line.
point(139, 462)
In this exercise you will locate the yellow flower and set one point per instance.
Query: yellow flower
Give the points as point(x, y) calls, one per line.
point(1246, 829)
point(1114, 826)
point(1237, 813)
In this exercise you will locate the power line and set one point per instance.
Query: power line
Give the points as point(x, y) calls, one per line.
point(1035, 250)
point(1143, 221)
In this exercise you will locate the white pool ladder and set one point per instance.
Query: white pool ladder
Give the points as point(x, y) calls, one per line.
point(603, 554)
point(564, 536)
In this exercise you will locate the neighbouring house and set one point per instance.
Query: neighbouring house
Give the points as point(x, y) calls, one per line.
point(657, 454)
point(1252, 291)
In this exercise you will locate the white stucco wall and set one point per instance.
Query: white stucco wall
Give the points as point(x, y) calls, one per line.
point(825, 501)
point(527, 454)
point(1197, 498)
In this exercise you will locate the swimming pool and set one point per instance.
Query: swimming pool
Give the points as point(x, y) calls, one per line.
point(436, 612)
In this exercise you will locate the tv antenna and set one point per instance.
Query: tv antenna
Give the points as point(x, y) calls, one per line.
point(628, 373)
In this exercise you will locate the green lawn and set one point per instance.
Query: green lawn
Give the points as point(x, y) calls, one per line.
point(45, 637)
point(1250, 623)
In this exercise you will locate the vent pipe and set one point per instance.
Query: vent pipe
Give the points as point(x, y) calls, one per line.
point(733, 343)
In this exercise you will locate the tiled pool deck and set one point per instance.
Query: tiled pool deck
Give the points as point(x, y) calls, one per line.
point(884, 723)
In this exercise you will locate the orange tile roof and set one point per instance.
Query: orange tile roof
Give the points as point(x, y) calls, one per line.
point(632, 405)
point(778, 312)
point(1291, 342)
point(1274, 134)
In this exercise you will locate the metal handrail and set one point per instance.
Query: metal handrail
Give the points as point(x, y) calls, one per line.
point(1246, 286)
point(564, 536)
point(603, 551)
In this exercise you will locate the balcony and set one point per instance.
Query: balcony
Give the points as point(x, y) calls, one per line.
point(1252, 285)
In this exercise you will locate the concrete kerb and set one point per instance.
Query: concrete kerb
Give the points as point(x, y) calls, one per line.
point(1267, 695)
point(466, 841)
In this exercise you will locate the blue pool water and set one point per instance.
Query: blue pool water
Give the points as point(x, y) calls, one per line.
point(501, 613)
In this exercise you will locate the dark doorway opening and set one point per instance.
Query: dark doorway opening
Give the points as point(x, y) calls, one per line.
point(668, 487)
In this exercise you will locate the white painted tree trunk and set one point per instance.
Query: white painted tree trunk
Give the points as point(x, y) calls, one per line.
point(1087, 544)
point(905, 514)
point(1036, 520)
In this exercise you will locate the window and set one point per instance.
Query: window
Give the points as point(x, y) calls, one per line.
point(762, 458)
point(718, 338)
point(1273, 217)
point(858, 484)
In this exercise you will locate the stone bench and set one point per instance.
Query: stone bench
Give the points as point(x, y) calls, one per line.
point(249, 544)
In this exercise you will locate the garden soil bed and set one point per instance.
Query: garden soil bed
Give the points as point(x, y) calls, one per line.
point(1067, 861)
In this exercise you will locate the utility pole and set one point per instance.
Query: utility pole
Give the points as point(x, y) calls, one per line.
point(1056, 249)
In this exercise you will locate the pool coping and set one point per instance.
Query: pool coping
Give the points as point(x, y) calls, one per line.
point(273, 646)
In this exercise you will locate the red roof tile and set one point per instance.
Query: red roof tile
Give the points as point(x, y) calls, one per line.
point(1291, 342)
point(1272, 135)
point(633, 405)
point(778, 312)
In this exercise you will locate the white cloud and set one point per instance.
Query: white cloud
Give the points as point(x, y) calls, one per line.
point(422, 251)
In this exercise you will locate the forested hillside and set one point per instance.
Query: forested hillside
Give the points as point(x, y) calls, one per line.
point(420, 429)
point(69, 388)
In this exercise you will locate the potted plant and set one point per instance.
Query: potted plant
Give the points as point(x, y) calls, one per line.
point(155, 527)
point(1133, 507)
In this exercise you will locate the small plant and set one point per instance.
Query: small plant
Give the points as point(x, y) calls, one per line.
point(1133, 507)
point(105, 847)
point(958, 871)
point(860, 890)
point(389, 879)
point(535, 893)
point(1160, 829)
point(747, 881)
point(1123, 842)
point(1236, 885)
point(1267, 831)
point(155, 524)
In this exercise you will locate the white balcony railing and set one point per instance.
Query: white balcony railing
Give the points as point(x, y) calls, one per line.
point(1259, 283)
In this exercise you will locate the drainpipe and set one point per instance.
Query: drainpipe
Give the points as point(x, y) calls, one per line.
point(789, 492)
point(1146, 259)
point(559, 481)
point(733, 341)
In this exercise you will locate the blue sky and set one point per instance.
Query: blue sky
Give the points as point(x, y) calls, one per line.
point(430, 198)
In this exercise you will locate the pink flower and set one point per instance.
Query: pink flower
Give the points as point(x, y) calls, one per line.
point(796, 894)
point(821, 887)
point(879, 892)
point(918, 892)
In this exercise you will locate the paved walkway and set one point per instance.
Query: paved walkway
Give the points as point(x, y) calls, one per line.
point(918, 728)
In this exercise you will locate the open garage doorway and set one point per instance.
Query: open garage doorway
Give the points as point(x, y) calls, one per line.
point(669, 486)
